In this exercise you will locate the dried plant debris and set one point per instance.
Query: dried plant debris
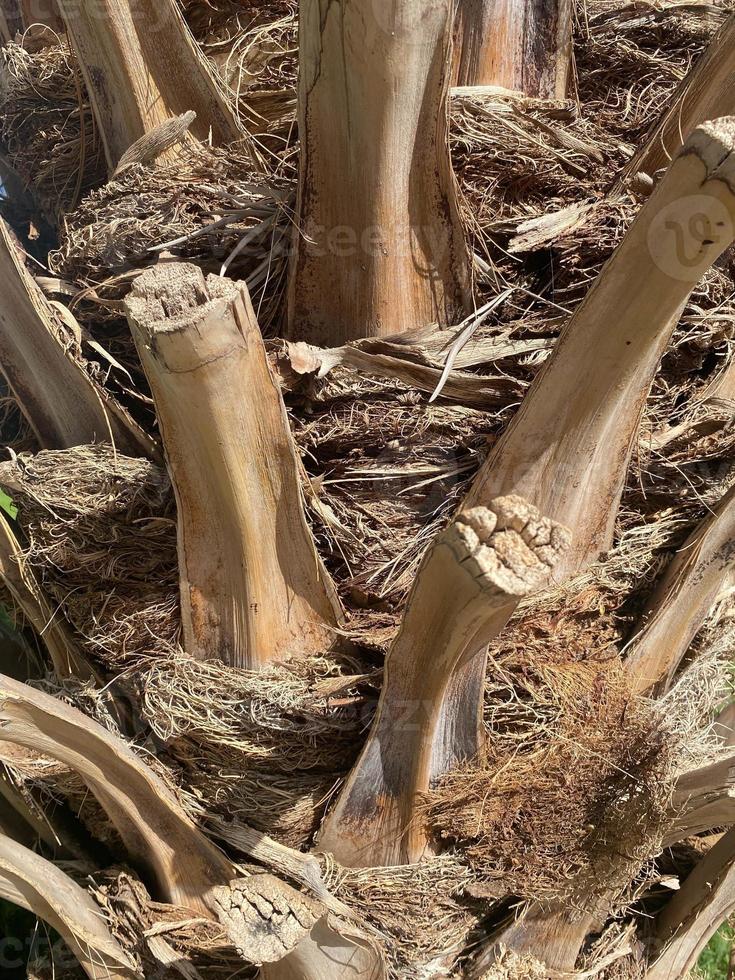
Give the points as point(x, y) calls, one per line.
point(512, 966)
point(159, 935)
point(630, 58)
point(255, 47)
point(47, 129)
point(571, 797)
point(423, 912)
point(574, 787)
point(268, 746)
point(101, 534)
point(387, 471)
point(209, 207)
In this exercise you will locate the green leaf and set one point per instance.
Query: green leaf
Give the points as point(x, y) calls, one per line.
point(715, 958)
point(7, 505)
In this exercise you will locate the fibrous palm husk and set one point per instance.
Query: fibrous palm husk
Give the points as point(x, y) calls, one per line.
point(209, 207)
point(158, 934)
point(101, 536)
point(47, 129)
point(577, 773)
point(424, 912)
point(265, 746)
point(255, 47)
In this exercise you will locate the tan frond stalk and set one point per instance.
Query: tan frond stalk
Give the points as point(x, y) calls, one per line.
point(566, 453)
point(696, 911)
point(253, 588)
point(707, 92)
point(181, 864)
point(60, 401)
point(520, 45)
point(143, 68)
point(380, 247)
point(567, 449)
point(702, 570)
point(22, 584)
point(569, 446)
point(327, 954)
point(704, 799)
point(551, 934)
point(469, 583)
point(35, 884)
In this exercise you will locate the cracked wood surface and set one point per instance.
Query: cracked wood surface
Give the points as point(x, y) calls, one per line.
point(380, 247)
point(291, 936)
point(469, 582)
point(253, 588)
point(265, 918)
point(142, 68)
point(519, 45)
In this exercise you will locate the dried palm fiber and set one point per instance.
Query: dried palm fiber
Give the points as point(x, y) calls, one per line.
point(572, 795)
point(578, 772)
point(665, 397)
point(422, 911)
point(101, 534)
point(209, 208)
point(266, 746)
point(637, 551)
point(15, 432)
point(123, 225)
point(410, 913)
point(632, 967)
point(127, 638)
point(514, 156)
point(386, 472)
point(629, 58)
point(548, 148)
point(513, 966)
point(47, 130)
point(255, 47)
point(552, 155)
point(518, 160)
point(419, 915)
point(48, 786)
point(137, 921)
point(615, 955)
point(44, 781)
